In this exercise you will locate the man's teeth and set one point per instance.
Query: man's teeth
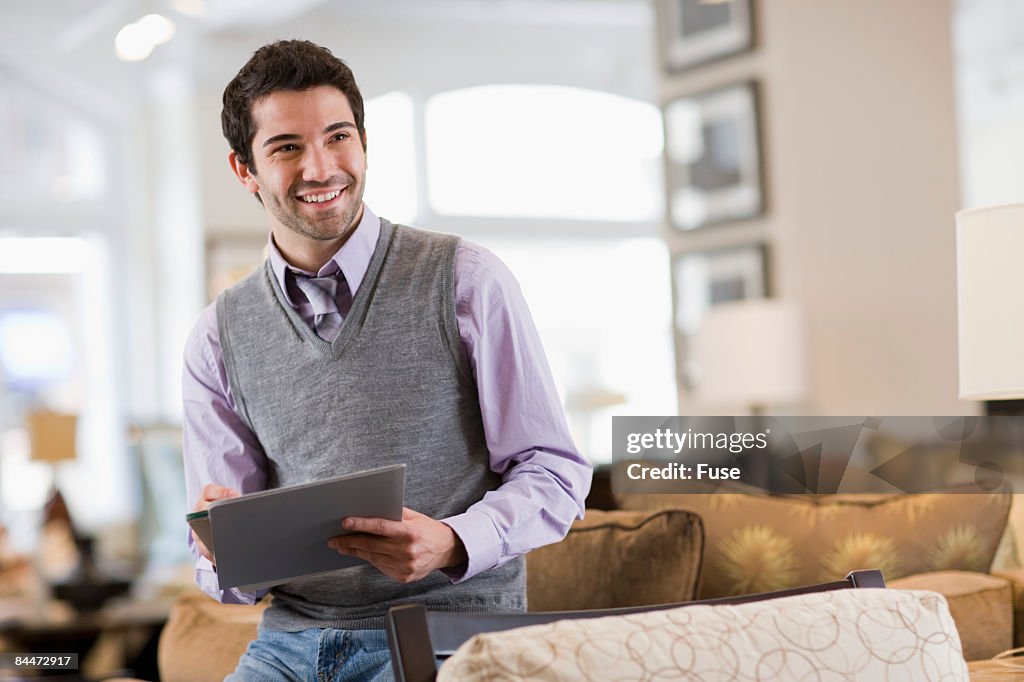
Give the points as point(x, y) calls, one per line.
point(318, 198)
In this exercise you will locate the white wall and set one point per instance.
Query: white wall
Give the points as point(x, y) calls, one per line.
point(860, 147)
point(866, 185)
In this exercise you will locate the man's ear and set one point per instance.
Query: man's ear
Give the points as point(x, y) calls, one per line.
point(243, 173)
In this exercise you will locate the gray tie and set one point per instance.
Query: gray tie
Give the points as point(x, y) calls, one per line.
point(322, 293)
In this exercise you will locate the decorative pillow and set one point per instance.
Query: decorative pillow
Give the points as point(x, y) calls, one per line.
point(204, 639)
point(1016, 580)
point(981, 606)
point(1009, 555)
point(853, 634)
point(618, 558)
point(760, 543)
point(887, 449)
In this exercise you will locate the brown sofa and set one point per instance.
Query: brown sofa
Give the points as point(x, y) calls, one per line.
point(946, 543)
point(642, 556)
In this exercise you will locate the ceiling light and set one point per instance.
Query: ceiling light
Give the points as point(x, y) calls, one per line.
point(136, 41)
point(132, 44)
point(158, 28)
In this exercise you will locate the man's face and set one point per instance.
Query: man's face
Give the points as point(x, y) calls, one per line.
point(309, 165)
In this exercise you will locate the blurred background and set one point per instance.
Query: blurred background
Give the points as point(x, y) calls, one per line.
point(712, 207)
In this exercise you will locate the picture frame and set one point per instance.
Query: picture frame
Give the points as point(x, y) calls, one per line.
point(713, 157)
point(694, 32)
point(703, 279)
point(230, 258)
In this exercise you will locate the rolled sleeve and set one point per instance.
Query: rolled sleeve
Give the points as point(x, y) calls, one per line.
point(206, 579)
point(475, 529)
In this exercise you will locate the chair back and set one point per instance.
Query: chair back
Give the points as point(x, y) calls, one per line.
point(418, 637)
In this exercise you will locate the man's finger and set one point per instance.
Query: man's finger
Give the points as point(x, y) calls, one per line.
point(382, 561)
point(410, 514)
point(203, 549)
point(375, 526)
point(384, 546)
point(347, 544)
point(400, 571)
point(211, 493)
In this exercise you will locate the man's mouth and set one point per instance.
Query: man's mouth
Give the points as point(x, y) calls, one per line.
point(321, 198)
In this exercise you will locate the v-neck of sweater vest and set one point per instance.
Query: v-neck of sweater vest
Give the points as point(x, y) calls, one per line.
point(357, 313)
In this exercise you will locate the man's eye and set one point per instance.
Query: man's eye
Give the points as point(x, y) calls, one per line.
point(340, 136)
point(287, 148)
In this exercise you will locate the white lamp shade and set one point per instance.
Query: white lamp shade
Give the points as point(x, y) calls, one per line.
point(752, 353)
point(990, 300)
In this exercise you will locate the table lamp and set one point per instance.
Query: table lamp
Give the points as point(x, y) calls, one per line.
point(990, 302)
point(52, 436)
point(751, 353)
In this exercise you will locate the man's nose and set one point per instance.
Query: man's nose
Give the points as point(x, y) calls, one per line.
point(317, 165)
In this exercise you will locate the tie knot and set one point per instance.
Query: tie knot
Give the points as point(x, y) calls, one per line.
point(322, 292)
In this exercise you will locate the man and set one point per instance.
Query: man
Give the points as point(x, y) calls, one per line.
point(361, 344)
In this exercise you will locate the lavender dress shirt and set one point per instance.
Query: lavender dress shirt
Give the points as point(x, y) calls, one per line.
point(545, 479)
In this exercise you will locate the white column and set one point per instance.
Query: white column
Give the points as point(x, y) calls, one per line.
point(177, 224)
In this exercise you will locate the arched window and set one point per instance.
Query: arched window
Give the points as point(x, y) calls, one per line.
point(542, 151)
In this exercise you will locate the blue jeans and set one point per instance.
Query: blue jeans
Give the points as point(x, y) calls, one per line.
point(315, 655)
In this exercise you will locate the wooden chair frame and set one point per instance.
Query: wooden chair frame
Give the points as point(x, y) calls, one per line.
point(417, 637)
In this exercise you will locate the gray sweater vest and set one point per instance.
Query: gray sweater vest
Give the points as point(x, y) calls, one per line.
point(394, 386)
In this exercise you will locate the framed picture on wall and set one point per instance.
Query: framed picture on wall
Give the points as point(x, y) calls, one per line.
point(698, 31)
point(703, 279)
point(230, 257)
point(713, 156)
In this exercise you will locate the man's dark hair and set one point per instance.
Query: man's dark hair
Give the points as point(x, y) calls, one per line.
point(284, 65)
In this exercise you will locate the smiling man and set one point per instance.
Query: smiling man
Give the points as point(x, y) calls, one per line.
point(359, 344)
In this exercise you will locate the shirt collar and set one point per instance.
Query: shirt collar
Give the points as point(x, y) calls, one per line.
point(353, 258)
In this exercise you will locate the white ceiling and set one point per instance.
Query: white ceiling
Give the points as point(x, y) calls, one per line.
point(66, 46)
point(65, 27)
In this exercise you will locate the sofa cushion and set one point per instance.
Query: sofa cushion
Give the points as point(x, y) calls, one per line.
point(618, 558)
point(1016, 580)
point(861, 634)
point(760, 543)
point(888, 449)
point(1011, 550)
point(204, 639)
point(981, 605)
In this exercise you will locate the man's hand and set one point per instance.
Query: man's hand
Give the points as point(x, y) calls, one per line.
point(211, 493)
point(405, 550)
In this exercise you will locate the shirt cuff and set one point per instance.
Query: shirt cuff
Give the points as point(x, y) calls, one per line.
point(206, 579)
point(482, 542)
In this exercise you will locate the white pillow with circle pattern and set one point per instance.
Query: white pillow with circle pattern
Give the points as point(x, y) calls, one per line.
point(876, 635)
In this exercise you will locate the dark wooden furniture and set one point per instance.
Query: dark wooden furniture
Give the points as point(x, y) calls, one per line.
point(132, 629)
point(601, 496)
point(417, 637)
